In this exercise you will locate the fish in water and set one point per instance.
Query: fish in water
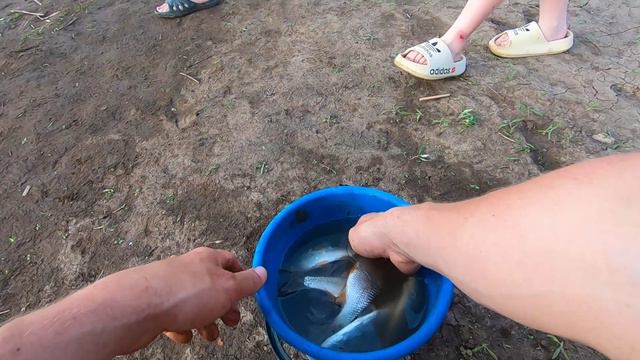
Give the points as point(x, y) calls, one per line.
point(331, 278)
point(342, 301)
point(355, 290)
point(314, 257)
point(377, 285)
point(360, 335)
point(357, 295)
point(332, 285)
point(382, 326)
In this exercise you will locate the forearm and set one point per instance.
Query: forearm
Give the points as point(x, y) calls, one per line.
point(116, 315)
point(558, 253)
point(127, 310)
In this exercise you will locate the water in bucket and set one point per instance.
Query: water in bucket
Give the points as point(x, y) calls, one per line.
point(342, 301)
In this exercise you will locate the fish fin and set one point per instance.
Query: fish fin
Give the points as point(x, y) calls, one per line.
point(360, 291)
point(342, 297)
point(290, 287)
point(332, 285)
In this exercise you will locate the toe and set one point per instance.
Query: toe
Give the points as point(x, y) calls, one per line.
point(411, 55)
point(162, 8)
point(416, 57)
point(503, 40)
point(181, 337)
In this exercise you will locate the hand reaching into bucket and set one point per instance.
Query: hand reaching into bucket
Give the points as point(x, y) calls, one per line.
point(127, 310)
point(557, 253)
point(375, 236)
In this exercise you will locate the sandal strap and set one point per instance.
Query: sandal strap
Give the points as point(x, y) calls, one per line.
point(174, 5)
point(435, 51)
point(530, 29)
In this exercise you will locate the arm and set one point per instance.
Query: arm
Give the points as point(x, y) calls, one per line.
point(560, 253)
point(127, 310)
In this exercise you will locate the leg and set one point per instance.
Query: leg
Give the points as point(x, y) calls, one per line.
point(473, 14)
point(552, 21)
point(553, 18)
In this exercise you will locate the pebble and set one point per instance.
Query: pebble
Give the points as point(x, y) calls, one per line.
point(604, 138)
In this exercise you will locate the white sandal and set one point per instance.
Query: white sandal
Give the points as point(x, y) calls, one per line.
point(530, 41)
point(440, 63)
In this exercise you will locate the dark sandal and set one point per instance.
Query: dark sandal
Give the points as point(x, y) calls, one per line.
point(179, 8)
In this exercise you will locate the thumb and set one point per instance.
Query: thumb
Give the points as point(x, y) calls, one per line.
point(248, 282)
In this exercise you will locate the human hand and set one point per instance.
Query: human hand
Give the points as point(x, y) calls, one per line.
point(377, 235)
point(199, 288)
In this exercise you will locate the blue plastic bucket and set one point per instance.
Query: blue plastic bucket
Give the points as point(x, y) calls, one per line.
point(315, 209)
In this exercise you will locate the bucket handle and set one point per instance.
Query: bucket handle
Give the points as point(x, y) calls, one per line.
point(276, 343)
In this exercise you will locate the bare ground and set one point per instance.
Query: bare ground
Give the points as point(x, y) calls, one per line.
point(127, 161)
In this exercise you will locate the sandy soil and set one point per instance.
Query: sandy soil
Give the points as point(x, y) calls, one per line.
point(128, 161)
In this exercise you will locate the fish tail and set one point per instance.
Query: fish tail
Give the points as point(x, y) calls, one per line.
point(291, 286)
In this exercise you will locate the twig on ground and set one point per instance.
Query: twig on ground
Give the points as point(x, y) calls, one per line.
point(201, 60)
point(4, 312)
point(434, 97)
point(26, 12)
point(118, 209)
point(70, 22)
point(26, 190)
point(37, 2)
point(46, 18)
point(325, 167)
point(25, 49)
point(495, 92)
point(190, 78)
point(506, 137)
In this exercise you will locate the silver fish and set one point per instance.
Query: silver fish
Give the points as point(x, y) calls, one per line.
point(357, 295)
point(315, 257)
point(333, 282)
point(391, 295)
point(332, 285)
point(359, 335)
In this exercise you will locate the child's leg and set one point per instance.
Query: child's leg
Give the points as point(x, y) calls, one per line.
point(469, 19)
point(552, 21)
point(553, 18)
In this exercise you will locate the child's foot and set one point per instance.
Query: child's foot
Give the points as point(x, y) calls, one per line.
point(434, 59)
point(532, 40)
point(551, 32)
point(455, 44)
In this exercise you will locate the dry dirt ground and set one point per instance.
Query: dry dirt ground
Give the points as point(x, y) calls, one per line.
point(128, 161)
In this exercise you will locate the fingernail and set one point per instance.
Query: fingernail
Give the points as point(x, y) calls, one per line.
point(262, 272)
